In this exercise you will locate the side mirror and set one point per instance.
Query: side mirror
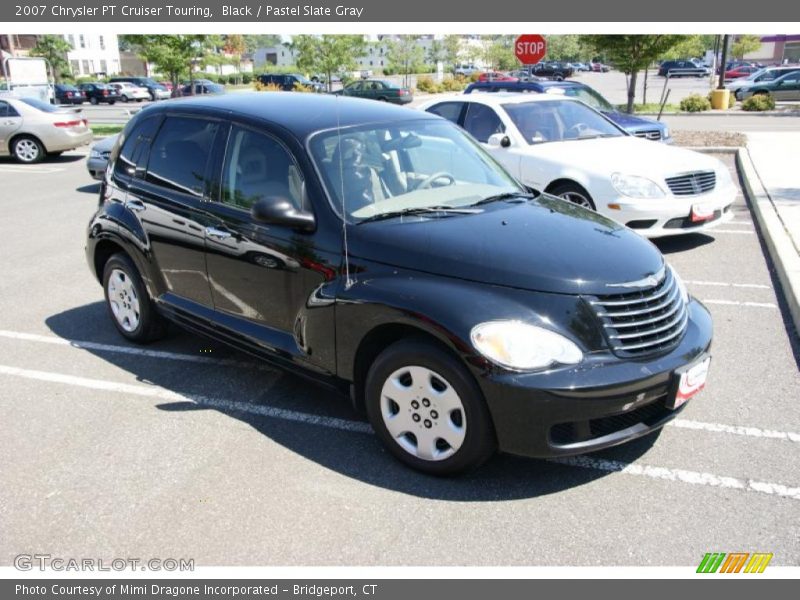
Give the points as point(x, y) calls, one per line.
point(276, 210)
point(499, 140)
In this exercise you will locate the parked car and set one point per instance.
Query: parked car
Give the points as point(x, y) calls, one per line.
point(682, 68)
point(579, 66)
point(68, 94)
point(288, 81)
point(128, 91)
point(740, 72)
point(97, 161)
point(203, 88)
point(156, 90)
point(31, 129)
point(552, 70)
point(785, 87)
point(377, 89)
point(495, 76)
point(98, 93)
point(167, 85)
point(761, 76)
point(563, 147)
point(465, 69)
point(465, 314)
point(642, 127)
point(599, 67)
point(523, 75)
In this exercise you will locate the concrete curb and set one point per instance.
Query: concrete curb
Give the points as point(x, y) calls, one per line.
point(714, 149)
point(724, 113)
point(780, 246)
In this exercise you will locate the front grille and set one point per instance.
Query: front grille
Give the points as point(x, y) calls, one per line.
point(692, 184)
point(650, 134)
point(644, 322)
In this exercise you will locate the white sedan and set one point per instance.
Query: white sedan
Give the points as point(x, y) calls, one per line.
point(565, 148)
point(129, 91)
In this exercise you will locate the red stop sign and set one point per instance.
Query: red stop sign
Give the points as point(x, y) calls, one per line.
point(530, 48)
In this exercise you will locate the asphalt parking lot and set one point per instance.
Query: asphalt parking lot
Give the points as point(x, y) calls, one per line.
point(187, 449)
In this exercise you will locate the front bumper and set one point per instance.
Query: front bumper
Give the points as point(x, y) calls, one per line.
point(671, 215)
point(97, 167)
point(603, 402)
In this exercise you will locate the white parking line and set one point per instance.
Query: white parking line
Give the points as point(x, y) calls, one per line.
point(27, 169)
point(736, 430)
point(757, 286)
point(742, 231)
point(195, 358)
point(59, 341)
point(611, 466)
point(734, 303)
point(690, 477)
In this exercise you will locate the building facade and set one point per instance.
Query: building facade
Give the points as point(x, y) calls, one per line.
point(93, 54)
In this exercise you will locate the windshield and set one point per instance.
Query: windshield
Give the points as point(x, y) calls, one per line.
point(558, 121)
point(590, 97)
point(404, 166)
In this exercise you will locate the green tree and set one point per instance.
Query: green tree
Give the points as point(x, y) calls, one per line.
point(566, 48)
point(498, 52)
point(254, 42)
point(54, 48)
point(405, 55)
point(692, 46)
point(451, 46)
point(632, 53)
point(173, 55)
point(745, 44)
point(328, 54)
point(235, 47)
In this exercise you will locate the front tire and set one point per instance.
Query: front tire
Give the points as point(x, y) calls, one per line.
point(27, 149)
point(124, 98)
point(128, 303)
point(427, 410)
point(574, 193)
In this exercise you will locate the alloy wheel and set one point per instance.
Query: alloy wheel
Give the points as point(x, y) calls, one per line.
point(577, 198)
point(26, 150)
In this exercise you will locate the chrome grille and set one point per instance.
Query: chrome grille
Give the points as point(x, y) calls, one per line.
point(652, 134)
point(643, 322)
point(690, 184)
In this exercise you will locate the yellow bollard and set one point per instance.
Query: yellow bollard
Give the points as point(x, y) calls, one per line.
point(720, 99)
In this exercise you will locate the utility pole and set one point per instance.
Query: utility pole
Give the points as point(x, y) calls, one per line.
point(724, 61)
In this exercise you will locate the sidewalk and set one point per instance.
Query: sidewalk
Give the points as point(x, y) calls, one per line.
point(770, 166)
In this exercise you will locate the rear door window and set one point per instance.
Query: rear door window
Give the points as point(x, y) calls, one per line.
point(179, 154)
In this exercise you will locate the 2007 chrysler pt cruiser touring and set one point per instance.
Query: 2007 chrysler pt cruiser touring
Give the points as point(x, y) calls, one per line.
point(380, 250)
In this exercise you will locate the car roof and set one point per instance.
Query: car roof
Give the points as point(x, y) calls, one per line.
point(538, 86)
point(500, 98)
point(302, 114)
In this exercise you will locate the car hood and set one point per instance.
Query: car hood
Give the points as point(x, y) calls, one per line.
point(628, 155)
point(632, 121)
point(546, 245)
point(106, 144)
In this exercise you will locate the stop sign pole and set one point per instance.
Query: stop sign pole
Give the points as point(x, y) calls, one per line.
point(530, 48)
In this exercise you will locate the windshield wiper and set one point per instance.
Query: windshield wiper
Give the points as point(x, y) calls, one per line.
point(503, 196)
point(420, 210)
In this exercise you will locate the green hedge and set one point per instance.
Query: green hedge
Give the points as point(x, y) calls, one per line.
point(695, 103)
point(759, 102)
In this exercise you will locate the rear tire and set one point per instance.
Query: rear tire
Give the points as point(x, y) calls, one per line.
point(93, 100)
point(124, 99)
point(129, 306)
point(427, 410)
point(27, 149)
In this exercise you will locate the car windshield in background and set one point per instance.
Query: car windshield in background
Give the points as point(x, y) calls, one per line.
point(558, 121)
point(589, 97)
point(43, 106)
point(392, 168)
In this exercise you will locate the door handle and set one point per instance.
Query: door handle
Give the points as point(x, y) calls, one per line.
point(220, 234)
point(136, 205)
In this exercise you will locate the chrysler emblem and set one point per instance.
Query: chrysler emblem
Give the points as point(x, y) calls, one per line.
point(650, 281)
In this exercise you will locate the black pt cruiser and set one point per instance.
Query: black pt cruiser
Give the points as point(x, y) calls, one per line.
point(381, 251)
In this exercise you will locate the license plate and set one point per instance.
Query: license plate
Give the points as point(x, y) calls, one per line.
point(690, 380)
point(702, 212)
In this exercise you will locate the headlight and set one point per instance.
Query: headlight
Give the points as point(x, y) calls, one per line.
point(518, 345)
point(681, 286)
point(94, 154)
point(636, 187)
